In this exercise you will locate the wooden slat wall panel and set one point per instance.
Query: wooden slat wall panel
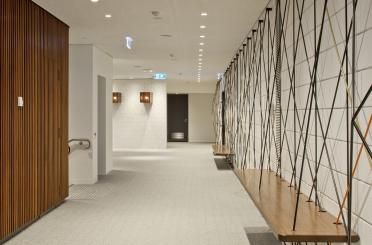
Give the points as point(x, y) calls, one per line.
point(33, 139)
point(6, 130)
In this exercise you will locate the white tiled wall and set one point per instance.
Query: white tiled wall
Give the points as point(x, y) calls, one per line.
point(329, 67)
point(333, 163)
point(137, 125)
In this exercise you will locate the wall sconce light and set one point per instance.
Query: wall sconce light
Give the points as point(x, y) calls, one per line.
point(116, 97)
point(146, 97)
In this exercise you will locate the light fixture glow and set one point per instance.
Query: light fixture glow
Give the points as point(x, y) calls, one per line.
point(94, 1)
point(108, 16)
point(201, 50)
point(129, 41)
point(201, 44)
point(202, 36)
point(203, 27)
point(200, 59)
point(204, 14)
point(200, 55)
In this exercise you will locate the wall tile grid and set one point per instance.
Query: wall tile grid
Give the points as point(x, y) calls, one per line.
point(138, 125)
point(328, 69)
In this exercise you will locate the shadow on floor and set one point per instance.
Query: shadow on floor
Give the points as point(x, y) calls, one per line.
point(222, 164)
point(261, 236)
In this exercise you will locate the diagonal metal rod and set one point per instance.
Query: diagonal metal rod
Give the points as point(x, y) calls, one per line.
point(311, 100)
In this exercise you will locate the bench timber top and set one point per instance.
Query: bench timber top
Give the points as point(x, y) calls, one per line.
point(221, 150)
point(277, 201)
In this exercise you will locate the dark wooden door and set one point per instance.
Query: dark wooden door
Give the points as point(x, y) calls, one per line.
point(178, 118)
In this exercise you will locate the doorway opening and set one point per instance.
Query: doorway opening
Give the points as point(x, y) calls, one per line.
point(101, 128)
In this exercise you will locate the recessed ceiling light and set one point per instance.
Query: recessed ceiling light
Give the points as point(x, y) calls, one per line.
point(200, 63)
point(200, 55)
point(204, 14)
point(94, 1)
point(200, 59)
point(201, 50)
point(203, 27)
point(129, 42)
point(108, 16)
point(201, 44)
point(202, 36)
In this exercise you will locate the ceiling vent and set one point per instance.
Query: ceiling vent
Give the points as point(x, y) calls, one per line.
point(155, 13)
point(172, 57)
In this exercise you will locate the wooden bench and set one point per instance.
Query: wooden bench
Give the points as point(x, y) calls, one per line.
point(276, 202)
point(221, 150)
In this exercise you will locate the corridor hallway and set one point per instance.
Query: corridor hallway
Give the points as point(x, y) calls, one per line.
point(175, 196)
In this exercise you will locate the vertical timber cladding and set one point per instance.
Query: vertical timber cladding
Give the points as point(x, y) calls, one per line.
point(34, 143)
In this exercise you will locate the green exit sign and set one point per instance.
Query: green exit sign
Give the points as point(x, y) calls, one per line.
point(160, 76)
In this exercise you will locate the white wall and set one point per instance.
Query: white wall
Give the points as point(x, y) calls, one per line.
point(201, 118)
point(137, 125)
point(336, 140)
point(86, 63)
point(80, 111)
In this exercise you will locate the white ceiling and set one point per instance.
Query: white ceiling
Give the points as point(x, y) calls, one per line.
point(228, 22)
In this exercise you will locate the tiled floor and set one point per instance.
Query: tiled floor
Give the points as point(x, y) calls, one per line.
point(170, 197)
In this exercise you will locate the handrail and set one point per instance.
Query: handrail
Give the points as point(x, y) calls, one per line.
point(81, 142)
